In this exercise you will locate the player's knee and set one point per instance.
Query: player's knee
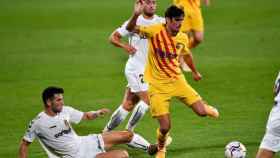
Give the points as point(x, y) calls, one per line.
point(135, 99)
point(128, 105)
point(144, 96)
point(128, 135)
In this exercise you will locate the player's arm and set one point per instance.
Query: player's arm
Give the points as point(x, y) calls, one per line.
point(131, 25)
point(23, 148)
point(115, 39)
point(188, 58)
point(91, 115)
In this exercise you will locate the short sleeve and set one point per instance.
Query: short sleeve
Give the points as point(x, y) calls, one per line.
point(30, 134)
point(75, 116)
point(122, 30)
point(182, 44)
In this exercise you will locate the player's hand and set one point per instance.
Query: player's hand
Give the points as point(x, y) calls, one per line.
point(102, 112)
point(129, 49)
point(196, 76)
point(138, 7)
point(207, 3)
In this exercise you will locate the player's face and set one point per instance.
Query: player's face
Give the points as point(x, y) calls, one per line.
point(57, 103)
point(149, 7)
point(174, 24)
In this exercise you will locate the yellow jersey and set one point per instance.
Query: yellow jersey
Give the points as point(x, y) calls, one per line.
point(163, 53)
point(188, 4)
point(193, 18)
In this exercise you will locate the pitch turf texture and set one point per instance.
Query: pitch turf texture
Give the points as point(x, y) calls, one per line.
point(65, 43)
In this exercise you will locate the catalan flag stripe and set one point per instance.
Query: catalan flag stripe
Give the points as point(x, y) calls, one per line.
point(157, 57)
point(166, 47)
point(163, 59)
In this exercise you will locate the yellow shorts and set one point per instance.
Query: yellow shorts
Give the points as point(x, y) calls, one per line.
point(193, 21)
point(161, 93)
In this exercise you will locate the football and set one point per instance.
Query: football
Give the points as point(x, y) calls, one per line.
point(235, 149)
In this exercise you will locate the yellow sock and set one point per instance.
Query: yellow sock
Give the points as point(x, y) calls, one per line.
point(161, 138)
point(160, 154)
point(161, 141)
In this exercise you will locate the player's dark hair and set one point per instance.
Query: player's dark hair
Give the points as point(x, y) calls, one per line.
point(173, 12)
point(49, 93)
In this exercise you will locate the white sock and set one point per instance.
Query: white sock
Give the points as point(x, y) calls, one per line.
point(117, 117)
point(137, 114)
point(139, 142)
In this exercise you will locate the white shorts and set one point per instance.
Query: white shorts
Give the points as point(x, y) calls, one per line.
point(271, 139)
point(91, 145)
point(135, 81)
point(270, 142)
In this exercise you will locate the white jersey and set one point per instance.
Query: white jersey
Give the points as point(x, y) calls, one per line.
point(56, 133)
point(273, 124)
point(138, 60)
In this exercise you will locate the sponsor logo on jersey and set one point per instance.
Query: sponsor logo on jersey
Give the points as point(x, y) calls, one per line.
point(168, 55)
point(53, 126)
point(65, 131)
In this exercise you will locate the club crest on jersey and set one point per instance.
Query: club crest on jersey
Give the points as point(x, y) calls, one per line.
point(179, 46)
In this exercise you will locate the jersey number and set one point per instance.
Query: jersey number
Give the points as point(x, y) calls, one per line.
point(141, 76)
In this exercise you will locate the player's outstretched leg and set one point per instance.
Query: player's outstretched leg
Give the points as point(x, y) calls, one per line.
point(138, 113)
point(130, 99)
point(162, 134)
point(113, 154)
point(264, 153)
point(202, 109)
point(131, 139)
point(117, 117)
point(139, 110)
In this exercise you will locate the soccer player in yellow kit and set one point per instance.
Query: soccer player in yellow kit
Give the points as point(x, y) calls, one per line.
point(193, 22)
point(162, 73)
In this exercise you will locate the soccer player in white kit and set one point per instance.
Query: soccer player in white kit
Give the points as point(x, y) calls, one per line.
point(271, 140)
point(53, 129)
point(136, 95)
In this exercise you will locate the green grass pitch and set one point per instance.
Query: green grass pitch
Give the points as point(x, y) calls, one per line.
point(65, 43)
